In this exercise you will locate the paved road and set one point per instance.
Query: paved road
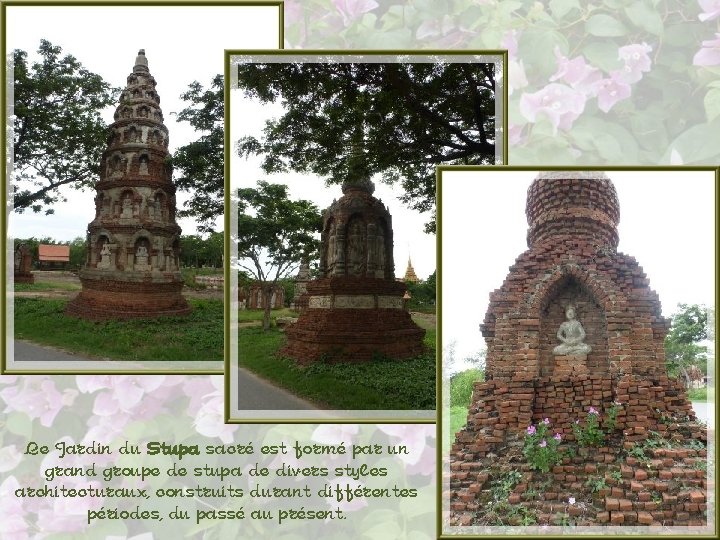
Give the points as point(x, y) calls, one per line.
point(25, 351)
point(257, 394)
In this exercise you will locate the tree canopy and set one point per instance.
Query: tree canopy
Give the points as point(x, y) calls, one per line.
point(682, 344)
point(201, 162)
point(413, 116)
point(197, 251)
point(274, 235)
point(58, 133)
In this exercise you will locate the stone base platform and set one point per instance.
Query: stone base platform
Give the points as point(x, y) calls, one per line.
point(137, 295)
point(24, 278)
point(353, 320)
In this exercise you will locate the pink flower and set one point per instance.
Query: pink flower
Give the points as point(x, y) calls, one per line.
point(516, 76)
point(531, 430)
point(12, 523)
point(515, 133)
point(334, 433)
point(210, 420)
point(571, 500)
point(577, 73)
point(557, 437)
point(610, 92)
point(546, 421)
point(636, 61)
point(709, 55)
point(543, 443)
point(592, 410)
point(509, 41)
point(353, 9)
point(561, 104)
point(414, 437)
point(37, 397)
point(711, 10)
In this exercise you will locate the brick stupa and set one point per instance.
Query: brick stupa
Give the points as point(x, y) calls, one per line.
point(355, 308)
point(132, 267)
point(572, 271)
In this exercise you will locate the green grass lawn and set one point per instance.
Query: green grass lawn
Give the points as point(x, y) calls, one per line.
point(47, 286)
point(380, 384)
point(198, 336)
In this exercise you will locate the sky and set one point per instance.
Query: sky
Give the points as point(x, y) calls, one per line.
point(182, 44)
point(667, 223)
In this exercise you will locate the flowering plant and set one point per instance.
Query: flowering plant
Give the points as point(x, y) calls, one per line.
point(591, 434)
point(542, 449)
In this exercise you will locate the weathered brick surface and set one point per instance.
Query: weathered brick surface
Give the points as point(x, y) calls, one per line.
point(572, 256)
point(133, 249)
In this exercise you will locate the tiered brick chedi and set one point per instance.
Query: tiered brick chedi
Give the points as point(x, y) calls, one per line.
point(355, 309)
point(574, 325)
point(132, 267)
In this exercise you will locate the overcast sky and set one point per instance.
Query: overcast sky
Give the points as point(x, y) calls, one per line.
point(182, 44)
point(667, 222)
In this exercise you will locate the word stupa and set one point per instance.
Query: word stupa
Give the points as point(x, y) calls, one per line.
point(133, 244)
point(355, 309)
point(576, 331)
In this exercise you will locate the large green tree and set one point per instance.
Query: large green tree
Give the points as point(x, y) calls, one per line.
point(58, 133)
point(274, 235)
point(413, 116)
point(200, 164)
point(683, 348)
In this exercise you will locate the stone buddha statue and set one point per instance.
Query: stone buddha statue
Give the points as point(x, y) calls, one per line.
point(572, 334)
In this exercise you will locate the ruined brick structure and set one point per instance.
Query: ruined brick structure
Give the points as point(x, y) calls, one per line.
point(300, 298)
point(355, 309)
point(23, 265)
point(133, 246)
point(254, 297)
point(572, 261)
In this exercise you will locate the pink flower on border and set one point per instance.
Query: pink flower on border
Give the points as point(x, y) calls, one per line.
point(557, 437)
point(334, 433)
point(353, 9)
point(12, 524)
point(561, 104)
point(413, 436)
point(546, 421)
point(577, 73)
point(37, 397)
point(611, 91)
point(636, 61)
point(531, 430)
point(592, 410)
point(543, 443)
point(709, 55)
point(711, 10)
point(509, 41)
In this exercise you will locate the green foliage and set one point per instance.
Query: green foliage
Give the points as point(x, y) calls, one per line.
point(698, 394)
point(461, 387)
point(201, 163)
point(422, 294)
point(378, 384)
point(684, 355)
point(501, 487)
point(540, 448)
point(197, 251)
point(198, 336)
point(58, 132)
point(274, 234)
point(596, 484)
point(590, 434)
point(78, 252)
point(413, 116)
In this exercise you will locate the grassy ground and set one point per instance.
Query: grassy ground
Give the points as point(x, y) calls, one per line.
point(47, 286)
point(199, 336)
point(461, 386)
point(379, 384)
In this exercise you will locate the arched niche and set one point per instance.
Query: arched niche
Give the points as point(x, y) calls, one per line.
point(569, 290)
point(356, 246)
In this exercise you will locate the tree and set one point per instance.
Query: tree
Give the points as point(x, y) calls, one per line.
point(58, 133)
point(201, 163)
point(683, 351)
point(422, 294)
point(197, 251)
point(78, 252)
point(413, 116)
point(274, 235)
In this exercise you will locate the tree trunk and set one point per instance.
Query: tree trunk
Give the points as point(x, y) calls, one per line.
point(267, 293)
